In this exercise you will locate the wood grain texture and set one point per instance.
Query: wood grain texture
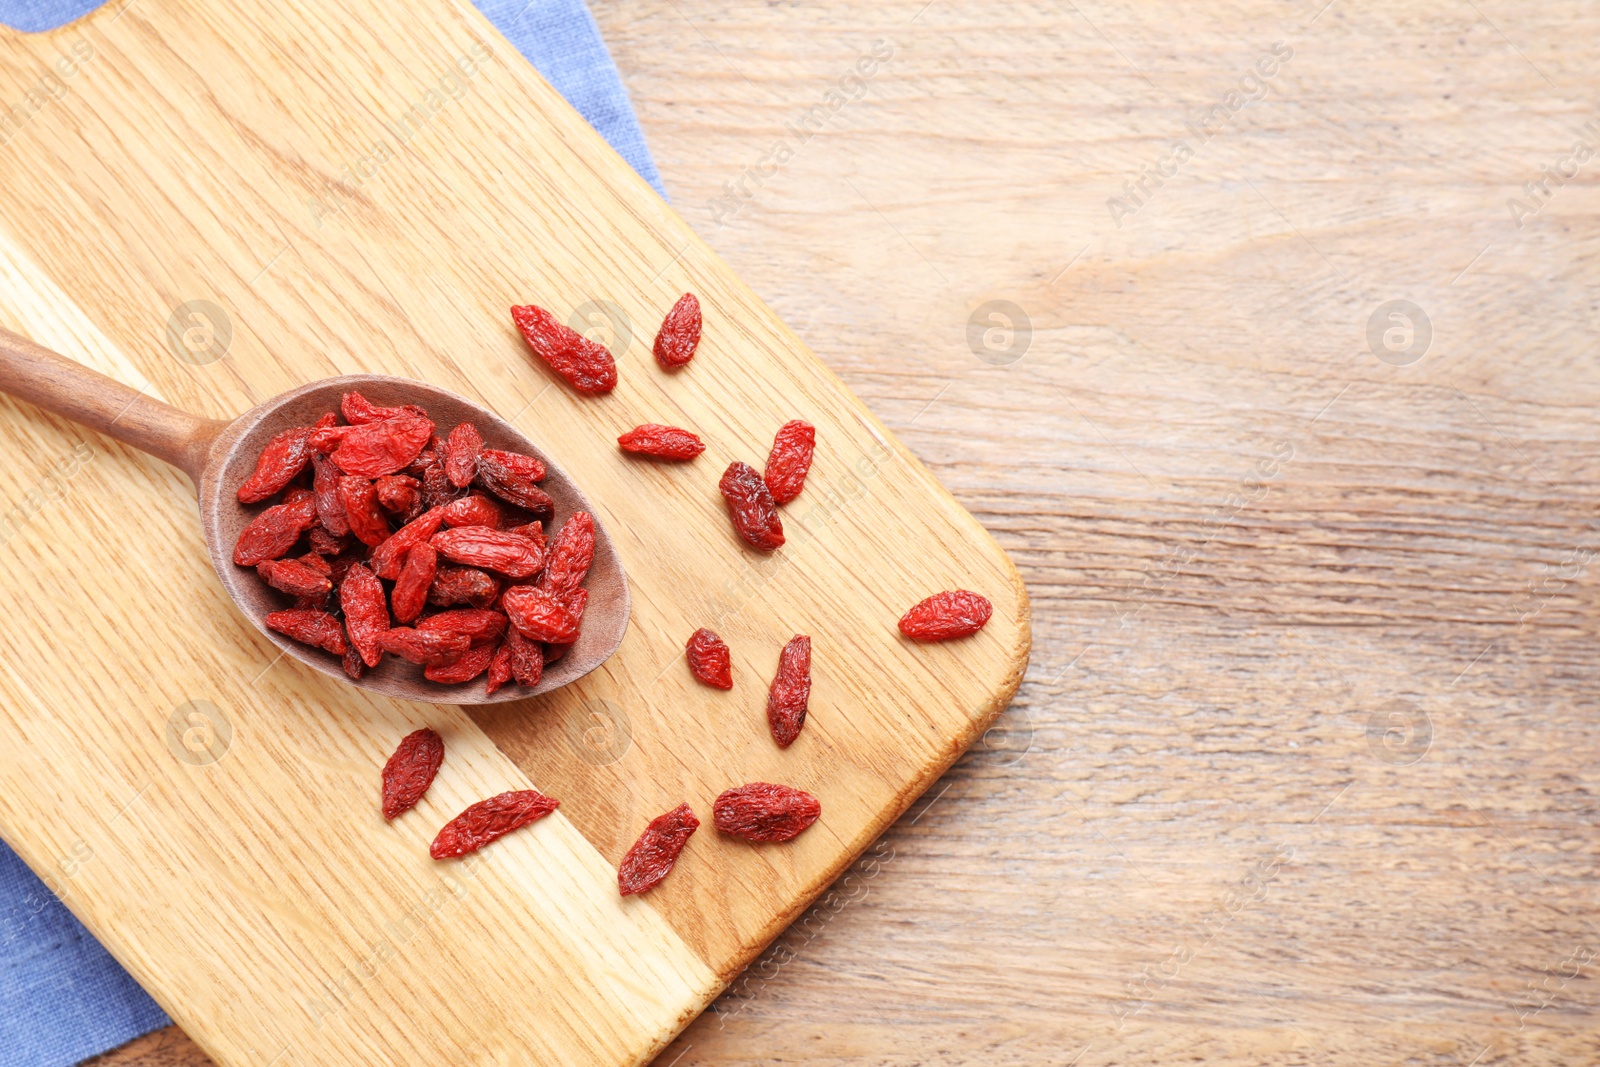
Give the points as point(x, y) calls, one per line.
point(373, 199)
point(1210, 657)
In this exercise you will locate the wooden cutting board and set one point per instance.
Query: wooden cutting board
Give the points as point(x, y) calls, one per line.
point(221, 201)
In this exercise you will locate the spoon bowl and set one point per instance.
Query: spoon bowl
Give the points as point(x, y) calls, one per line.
point(218, 455)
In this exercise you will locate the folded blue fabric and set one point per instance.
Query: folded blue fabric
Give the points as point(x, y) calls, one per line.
point(63, 998)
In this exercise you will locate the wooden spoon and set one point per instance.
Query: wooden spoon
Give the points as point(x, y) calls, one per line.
point(217, 455)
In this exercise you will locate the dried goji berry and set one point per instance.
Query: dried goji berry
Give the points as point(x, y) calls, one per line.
point(652, 856)
point(761, 811)
point(571, 553)
point(481, 626)
point(316, 563)
point(325, 483)
point(271, 534)
point(366, 518)
point(489, 819)
point(309, 627)
point(352, 663)
point(410, 771)
point(436, 488)
point(586, 366)
point(751, 507)
point(539, 615)
point(400, 495)
point(511, 478)
point(527, 658)
point(410, 593)
point(790, 695)
point(661, 442)
point(954, 613)
point(462, 585)
point(374, 449)
point(285, 456)
point(499, 668)
point(709, 659)
point(461, 450)
point(365, 613)
point(324, 543)
point(462, 668)
point(533, 531)
point(357, 409)
point(680, 333)
point(294, 577)
point(574, 600)
point(423, 646)
point(493, 550)
point(389, 557)
point(790, 459)
point(475, 509)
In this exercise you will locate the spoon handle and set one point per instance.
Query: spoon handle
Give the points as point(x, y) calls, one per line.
point(31, 372)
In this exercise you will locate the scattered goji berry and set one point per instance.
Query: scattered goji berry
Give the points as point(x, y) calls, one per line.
point(571, 553)
point(285, 456)
point(761, 811)
point(474, 509)
point(410, 771)
point(493, 550)
point(373, 449)
point(462, 668)
point(652, 856)
point(294, 577)
point(661, 442)
point(461, 450)
point(325, 484)
point(423, 646)
point(679, 334)
point(585, 366)
point(365, 613)
point(410, 593)
point(309, 627)
point(709, 659)
point(489, 819)
point(790, 459)
point(271, 534)
point(790, 695)
point(511, 478)
point(539, 615)
point(527, 658)
point(366, 518)
point(389, 557)
point(462, 585)
point(954, 613)
point(481, 626)
point(751, 507)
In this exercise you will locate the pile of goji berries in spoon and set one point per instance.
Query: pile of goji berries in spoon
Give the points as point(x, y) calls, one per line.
point(387, 539)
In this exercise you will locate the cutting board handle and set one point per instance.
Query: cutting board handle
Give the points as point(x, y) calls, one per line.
point(31, 372)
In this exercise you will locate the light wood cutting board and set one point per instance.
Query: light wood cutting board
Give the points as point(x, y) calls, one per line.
point(218, 202)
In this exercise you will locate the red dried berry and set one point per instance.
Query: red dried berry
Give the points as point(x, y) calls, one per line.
point(461, 450)
point(790, 695)
point(527, 658)
point(661, 442)
point(585, 366)
point(389, 557)
point(493, 550)
point(352, 663)
point(533, 531)
point(410, 593)
point(294, 577)
point(316, 563)
point(652, 856)
point(474, 509)
point(271, 534)
point(324, 543)
point(309, 627)
point(463, 585)
point(436, 488)
point(499, 668)
point(423, 646)
point(709, 659)
point(285, 456)
point(325, 484)
point(571, 553)
point(790, 459)
point(357, 409)
point(373, 449)
point(680, 333)
point(410, 771)
point(751, 507)
point(481, 626)
point(489, 819)
point(574, 600)
point(365, 613)
point(399, 495)
point(511, 478)
point(539, 615)
point(761, 811)
point(955, 613)
point(463, 668)
point(366, 518)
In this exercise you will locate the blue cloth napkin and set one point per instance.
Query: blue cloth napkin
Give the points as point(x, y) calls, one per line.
point(63, 998)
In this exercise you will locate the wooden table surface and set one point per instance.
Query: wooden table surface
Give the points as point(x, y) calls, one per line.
point(1304, 770)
